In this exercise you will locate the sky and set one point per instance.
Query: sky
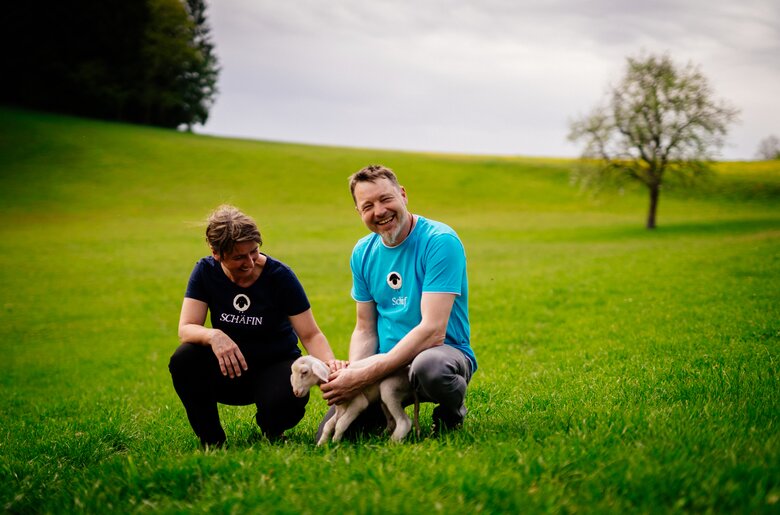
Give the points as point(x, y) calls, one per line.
point(500, 77)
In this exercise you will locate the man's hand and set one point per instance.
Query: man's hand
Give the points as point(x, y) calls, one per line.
point(231, 361)
point(342, 385)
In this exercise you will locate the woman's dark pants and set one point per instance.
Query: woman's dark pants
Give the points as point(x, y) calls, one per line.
point(200, 385)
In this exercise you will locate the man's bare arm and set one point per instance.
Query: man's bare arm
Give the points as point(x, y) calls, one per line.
point(365, 341)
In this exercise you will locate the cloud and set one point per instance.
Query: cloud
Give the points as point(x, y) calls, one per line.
point(494, 76)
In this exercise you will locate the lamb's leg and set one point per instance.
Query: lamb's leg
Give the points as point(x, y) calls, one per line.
point(389, 417)
point(354, 408)
point(330, 425)
point(392, 390)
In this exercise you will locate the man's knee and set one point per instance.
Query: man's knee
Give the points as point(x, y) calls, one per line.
point(441, 375)
point(427, 368)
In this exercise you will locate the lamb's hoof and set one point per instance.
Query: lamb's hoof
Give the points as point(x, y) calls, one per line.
point(399, 435)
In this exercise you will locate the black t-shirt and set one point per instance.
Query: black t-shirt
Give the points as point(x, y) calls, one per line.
point(256, 318)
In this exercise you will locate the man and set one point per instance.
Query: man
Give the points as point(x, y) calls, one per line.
point(409, 282)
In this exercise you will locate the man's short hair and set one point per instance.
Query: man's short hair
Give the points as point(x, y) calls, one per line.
point(371, 173)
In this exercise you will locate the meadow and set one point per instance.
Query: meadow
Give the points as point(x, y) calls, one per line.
point(620, 369)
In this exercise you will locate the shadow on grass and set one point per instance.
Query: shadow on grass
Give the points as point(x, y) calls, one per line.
point(715, 227)
point(663, 231)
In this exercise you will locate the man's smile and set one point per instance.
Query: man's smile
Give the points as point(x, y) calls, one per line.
point(386, 221)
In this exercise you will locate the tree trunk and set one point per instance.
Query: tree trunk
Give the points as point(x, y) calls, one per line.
point(655, 190)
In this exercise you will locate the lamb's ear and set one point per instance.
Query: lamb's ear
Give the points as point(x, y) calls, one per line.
point(321, 371)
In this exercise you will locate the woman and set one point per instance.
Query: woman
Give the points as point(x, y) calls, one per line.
point(258, 312)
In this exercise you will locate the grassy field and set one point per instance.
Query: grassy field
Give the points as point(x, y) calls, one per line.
point(620, 369)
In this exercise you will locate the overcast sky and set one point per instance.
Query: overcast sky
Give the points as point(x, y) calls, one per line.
point(475, 76)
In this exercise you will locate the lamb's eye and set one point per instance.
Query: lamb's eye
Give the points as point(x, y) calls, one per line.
point(304, 372)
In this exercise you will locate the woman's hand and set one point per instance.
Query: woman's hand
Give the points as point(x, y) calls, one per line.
point(231, 361)
point(336, 364)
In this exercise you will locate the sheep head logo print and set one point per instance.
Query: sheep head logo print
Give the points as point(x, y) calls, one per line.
point(394, 280)
point(241, 302)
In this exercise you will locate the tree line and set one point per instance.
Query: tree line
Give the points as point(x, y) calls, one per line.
point(141, 61)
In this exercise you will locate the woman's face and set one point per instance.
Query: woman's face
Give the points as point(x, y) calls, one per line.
point(240, 262)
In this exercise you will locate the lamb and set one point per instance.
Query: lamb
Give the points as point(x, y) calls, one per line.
point(308, 371)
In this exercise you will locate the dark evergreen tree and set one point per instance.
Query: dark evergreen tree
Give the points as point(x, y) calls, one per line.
point(143, 61)
point(201, 79)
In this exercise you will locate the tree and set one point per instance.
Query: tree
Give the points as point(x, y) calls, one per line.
point(659, 119)
point(179, 77)
point(201, 76)
point(141, 61)
point(769, 148)
point(73, 57)
point(168, 53)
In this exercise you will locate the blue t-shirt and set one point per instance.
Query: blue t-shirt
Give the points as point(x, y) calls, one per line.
point(257, 317)
point(430, 260)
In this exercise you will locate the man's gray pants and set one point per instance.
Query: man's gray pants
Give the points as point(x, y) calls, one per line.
point(440, 374)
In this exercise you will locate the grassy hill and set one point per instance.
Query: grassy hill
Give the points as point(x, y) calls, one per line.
point(620, 369)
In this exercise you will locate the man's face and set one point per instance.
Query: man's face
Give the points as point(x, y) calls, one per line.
point(382, 206)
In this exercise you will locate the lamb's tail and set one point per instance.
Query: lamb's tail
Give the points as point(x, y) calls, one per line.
point(416, 414)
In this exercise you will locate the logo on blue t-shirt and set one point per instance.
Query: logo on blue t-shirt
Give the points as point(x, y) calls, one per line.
point(394, 280)
point(241, 302)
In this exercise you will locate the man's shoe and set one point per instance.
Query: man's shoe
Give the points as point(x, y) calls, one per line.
point(445, 422)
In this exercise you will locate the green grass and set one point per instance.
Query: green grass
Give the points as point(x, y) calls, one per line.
point(620, 369)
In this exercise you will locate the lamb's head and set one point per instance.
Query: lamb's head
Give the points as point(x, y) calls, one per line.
point(307, 371)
